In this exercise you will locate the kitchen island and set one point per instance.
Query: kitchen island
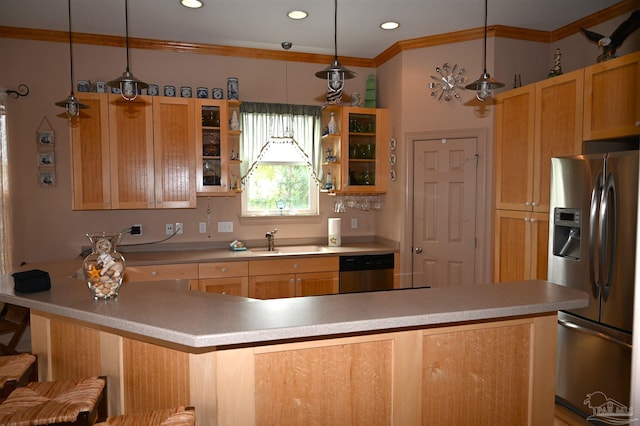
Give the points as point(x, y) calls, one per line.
point(478, 354)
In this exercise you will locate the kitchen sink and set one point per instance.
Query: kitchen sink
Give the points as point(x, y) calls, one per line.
point(292, 250)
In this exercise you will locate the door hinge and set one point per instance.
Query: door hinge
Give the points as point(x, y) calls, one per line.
point(475, 242)
point(477, 158)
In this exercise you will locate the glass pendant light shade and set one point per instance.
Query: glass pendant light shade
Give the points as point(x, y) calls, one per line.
point(71, 103)
point(335, 74)
point(127, 84)
point(485, 85)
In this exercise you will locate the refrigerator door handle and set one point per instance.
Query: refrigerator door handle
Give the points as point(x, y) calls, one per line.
point(594, 213)
point(577, 327)
point(607, 234)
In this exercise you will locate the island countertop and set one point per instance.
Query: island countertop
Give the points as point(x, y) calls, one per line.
point(168, 311)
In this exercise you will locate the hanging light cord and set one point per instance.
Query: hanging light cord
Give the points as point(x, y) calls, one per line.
point(485, 38)
point(126, 23)
point(335, 29)
point(70, 47)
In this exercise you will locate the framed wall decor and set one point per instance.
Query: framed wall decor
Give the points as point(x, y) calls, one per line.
point(46, 158)
point(45, 138)
point(46, 177)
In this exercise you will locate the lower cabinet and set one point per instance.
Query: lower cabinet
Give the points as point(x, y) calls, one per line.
point(271, 279)
point(521, 245)
point(259, 279)
point(224, 278)
point(172, 271)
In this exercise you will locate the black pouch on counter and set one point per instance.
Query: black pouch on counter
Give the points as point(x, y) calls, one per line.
point(31, 281)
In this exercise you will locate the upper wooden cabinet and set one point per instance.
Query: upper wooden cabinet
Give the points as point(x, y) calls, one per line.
point(361, 149)
point(133, 155)
point(213, 155)
point(533, 124)
point(612, 98)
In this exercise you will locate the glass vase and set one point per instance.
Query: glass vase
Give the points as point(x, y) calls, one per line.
point(104, 266)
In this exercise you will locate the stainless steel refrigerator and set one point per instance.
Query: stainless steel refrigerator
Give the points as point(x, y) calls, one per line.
point(593, 218)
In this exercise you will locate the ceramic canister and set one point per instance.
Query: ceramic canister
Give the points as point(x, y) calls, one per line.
point(169, 90)
point(217, 93)
point(185, 92)
point(202, 92)
point(232, 88)
point(153, 90)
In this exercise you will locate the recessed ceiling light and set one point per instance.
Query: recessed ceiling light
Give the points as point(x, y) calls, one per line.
point(192, 4)
point(390, 25)
point(297, 14)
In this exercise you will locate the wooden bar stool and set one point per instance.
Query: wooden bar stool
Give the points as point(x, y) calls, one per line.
point(178, 416)
point(64, 402)
point(16, 370)
point(14, 320)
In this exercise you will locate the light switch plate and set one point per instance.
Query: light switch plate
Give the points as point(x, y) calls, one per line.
point(202, 227)
point(225, 226)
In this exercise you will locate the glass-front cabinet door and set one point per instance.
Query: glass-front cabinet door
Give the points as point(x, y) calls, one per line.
point(212, 124)
point(364, 150)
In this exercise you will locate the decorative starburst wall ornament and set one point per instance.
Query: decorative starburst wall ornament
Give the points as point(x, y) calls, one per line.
point(448, 82)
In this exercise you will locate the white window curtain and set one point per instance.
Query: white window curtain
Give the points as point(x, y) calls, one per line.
point(6, 249)
point(263, 123)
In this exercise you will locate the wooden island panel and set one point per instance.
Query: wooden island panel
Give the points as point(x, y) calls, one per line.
point(485, 372)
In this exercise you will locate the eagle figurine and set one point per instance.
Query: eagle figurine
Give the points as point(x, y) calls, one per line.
point(610, 44)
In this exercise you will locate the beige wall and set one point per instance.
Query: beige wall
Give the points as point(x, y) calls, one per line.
point(46, 228)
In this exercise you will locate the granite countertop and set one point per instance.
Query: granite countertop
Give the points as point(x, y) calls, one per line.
point(168, 311)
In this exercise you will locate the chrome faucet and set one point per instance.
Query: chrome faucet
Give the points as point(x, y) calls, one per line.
point(271, 238)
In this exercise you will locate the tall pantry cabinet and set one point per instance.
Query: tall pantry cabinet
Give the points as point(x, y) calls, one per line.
point(533, 124)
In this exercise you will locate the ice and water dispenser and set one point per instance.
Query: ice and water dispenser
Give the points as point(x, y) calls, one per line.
point(567, 226)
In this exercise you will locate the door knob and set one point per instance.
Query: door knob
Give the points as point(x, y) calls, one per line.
point(418, 250)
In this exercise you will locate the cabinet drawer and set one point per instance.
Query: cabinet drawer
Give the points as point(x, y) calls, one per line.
point(293, 265)
point(161, 272)
point(223, 269)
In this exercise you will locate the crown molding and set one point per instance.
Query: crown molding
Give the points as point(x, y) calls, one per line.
point(614, 11)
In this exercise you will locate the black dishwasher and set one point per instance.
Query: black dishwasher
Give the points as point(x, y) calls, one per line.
point(367, 272)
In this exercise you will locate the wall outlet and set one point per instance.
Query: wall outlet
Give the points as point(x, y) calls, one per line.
point(225, 226)
point(202, 227)
point(179, 227)
point(354, 223)
point(168, 229)
point(136, 229)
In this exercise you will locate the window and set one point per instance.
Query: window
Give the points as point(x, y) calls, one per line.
point(281, 183)
point(280, 153)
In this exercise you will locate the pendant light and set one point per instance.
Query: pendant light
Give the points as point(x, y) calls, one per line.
point(335, 74)
point(127, 83)
point(485, 85)
point(71, 103)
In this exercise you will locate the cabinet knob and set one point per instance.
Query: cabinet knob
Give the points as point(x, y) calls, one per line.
point(299, 280)
point(154, 273)
point(526, 219)
point(534, 204)
point(533, 219)
point(223, 269)
point(527, 203)
point(292, 281)
point(295, 266)
point(107, 202)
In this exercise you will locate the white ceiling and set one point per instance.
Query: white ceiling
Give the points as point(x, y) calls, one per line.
point(264, 24)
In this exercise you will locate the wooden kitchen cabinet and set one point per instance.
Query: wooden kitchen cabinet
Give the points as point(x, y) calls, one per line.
point(361, 148)
point(521, 245)
point(172, 271)
point(133, 155)
point(533, 124)
point(291, 277)
point(224, 277)
point(612, 98)
point(174, 158)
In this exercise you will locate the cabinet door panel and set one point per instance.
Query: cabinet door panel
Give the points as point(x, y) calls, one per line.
point(612, 98)
point(90, 155)
point(233, 286)
point(514, 149)
point(540, 235)
point(510, 246)
point(558, 129)
point(272, 286)
point(318, 283)
point(131, 139)
point(176, 271)
point(175, 159)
